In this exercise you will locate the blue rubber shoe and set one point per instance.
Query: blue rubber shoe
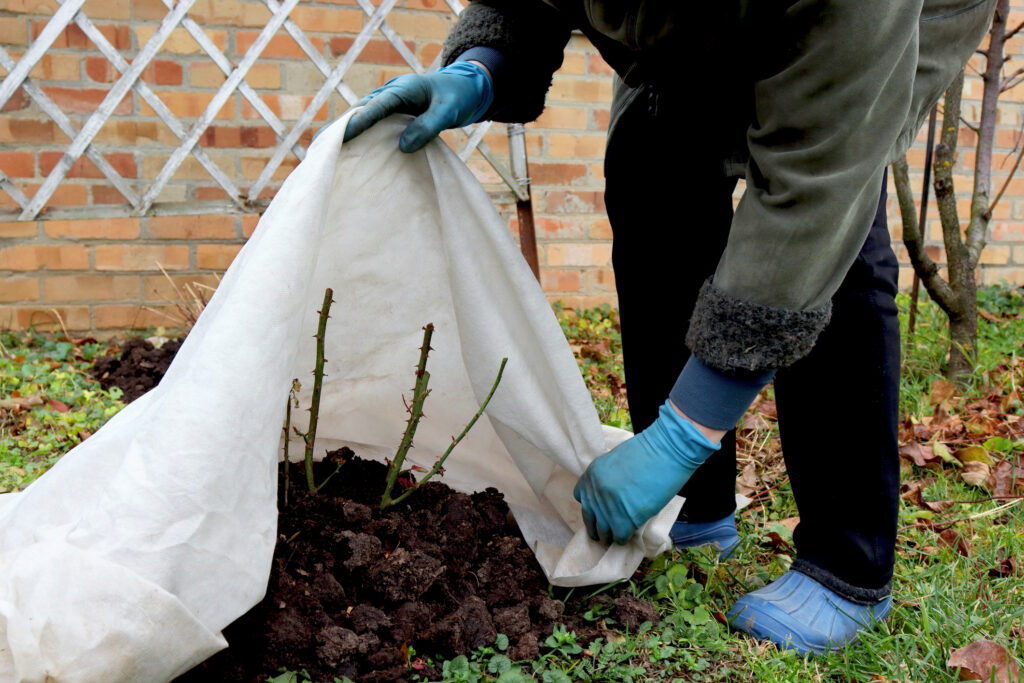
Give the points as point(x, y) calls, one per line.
point(721, 534)
point(797, 612)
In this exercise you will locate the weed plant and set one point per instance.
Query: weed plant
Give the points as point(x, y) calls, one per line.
point(49, 403)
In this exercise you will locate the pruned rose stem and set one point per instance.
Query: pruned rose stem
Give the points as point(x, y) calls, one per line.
point(318, 379)
point(415, 410)
point(439, 465)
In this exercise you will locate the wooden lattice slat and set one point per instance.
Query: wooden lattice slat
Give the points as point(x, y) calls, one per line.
point(71, 11)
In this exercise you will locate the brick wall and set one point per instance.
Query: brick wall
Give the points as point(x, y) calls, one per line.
point(102, 274)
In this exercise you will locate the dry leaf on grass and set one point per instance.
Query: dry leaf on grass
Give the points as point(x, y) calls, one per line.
point(1007, 567)
point(976, 473)
point(955, 540)
point(942, 391)
point(984, 660)
point(747, 483)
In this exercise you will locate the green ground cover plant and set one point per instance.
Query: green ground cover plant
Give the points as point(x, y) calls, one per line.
point(48, 403)
point(959, 578)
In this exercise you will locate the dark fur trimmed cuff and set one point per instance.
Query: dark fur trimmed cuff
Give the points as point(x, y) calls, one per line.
point(530, 38)
point(738, 337)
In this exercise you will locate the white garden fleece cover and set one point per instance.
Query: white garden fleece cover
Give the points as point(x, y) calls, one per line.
point(125, 561)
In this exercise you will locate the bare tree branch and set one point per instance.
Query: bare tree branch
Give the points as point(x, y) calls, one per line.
point(923, 265)
point(1011, 80)
point(999, 195)
point(1014, 31)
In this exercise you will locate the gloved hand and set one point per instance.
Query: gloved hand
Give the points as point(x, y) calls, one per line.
point(625, 487)
point(457, 95)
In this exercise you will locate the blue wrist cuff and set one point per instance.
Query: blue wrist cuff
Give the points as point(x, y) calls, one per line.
point(712, 398)
point(494, 61)
point(480, 79)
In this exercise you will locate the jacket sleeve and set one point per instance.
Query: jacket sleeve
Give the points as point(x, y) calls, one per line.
point(828, 108)
point(530, 35)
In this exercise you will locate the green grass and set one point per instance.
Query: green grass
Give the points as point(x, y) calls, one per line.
point(943, 598)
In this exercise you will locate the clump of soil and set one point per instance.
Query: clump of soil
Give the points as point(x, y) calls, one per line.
point(352, 588)
point(139, 367)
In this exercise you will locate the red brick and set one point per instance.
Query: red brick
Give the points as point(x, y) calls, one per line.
point(149, 9)
point(574, 254)
point(106, 9)
point(94, 228)
point(119, 36)
point(429, 52)
point(179, 41)
point(601, 119)
point(123, 163)
point(87, 287)
point(281, 45)
point(249, 222)
point(328, 19)
point(190, 105)
point(86, 100)
point(45, 318)
point(66, 194)
point(28, 130)
point(554, 228)
point(12, 31)
point(107, 194)
point(601, 280)
point(38, 256)
point(562, 118)
point(556, 174)
point(18, 101)
point(216, 256)
point(573, 202)
point(211, 226)
point(31, 6)
point(159, 287)
point(374, 52)
point(133, 316)
point(18, 164)
point(100, 70)
point(599, 66)
point(560, 280)
point(287, 107)
point(163, 72)
point(141, 257)
point(121, 132)
point(600, 229)
point(19, 229)
point(1013, 232)
point(17, 289)
point(210, 194)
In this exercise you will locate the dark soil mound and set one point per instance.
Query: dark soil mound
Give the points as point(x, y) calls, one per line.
point(139, 367)
point(353, 588)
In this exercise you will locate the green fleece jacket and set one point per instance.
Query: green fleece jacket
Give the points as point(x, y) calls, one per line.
point(819, 94)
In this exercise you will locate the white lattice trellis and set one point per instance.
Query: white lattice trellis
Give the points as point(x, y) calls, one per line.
point(241, 200)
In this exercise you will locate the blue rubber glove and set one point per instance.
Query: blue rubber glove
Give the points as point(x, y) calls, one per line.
point(625, 487)
point(457, 95)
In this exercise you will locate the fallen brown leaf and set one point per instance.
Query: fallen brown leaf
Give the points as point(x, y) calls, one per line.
point(59, 406)
point(1007, 479)
point(975, 473)
point(747, 483)
point(955, 540)
point(920, 455)
point(1007, 567)
point(790, 523)
point(942, 391)
point(984, 660)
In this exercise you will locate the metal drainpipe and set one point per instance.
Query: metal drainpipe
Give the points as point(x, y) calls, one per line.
point(524, 201)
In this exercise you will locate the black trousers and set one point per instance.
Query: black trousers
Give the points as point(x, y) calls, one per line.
point(670, 207)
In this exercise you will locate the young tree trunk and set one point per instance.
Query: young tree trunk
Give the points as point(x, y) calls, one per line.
point(963, 244)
